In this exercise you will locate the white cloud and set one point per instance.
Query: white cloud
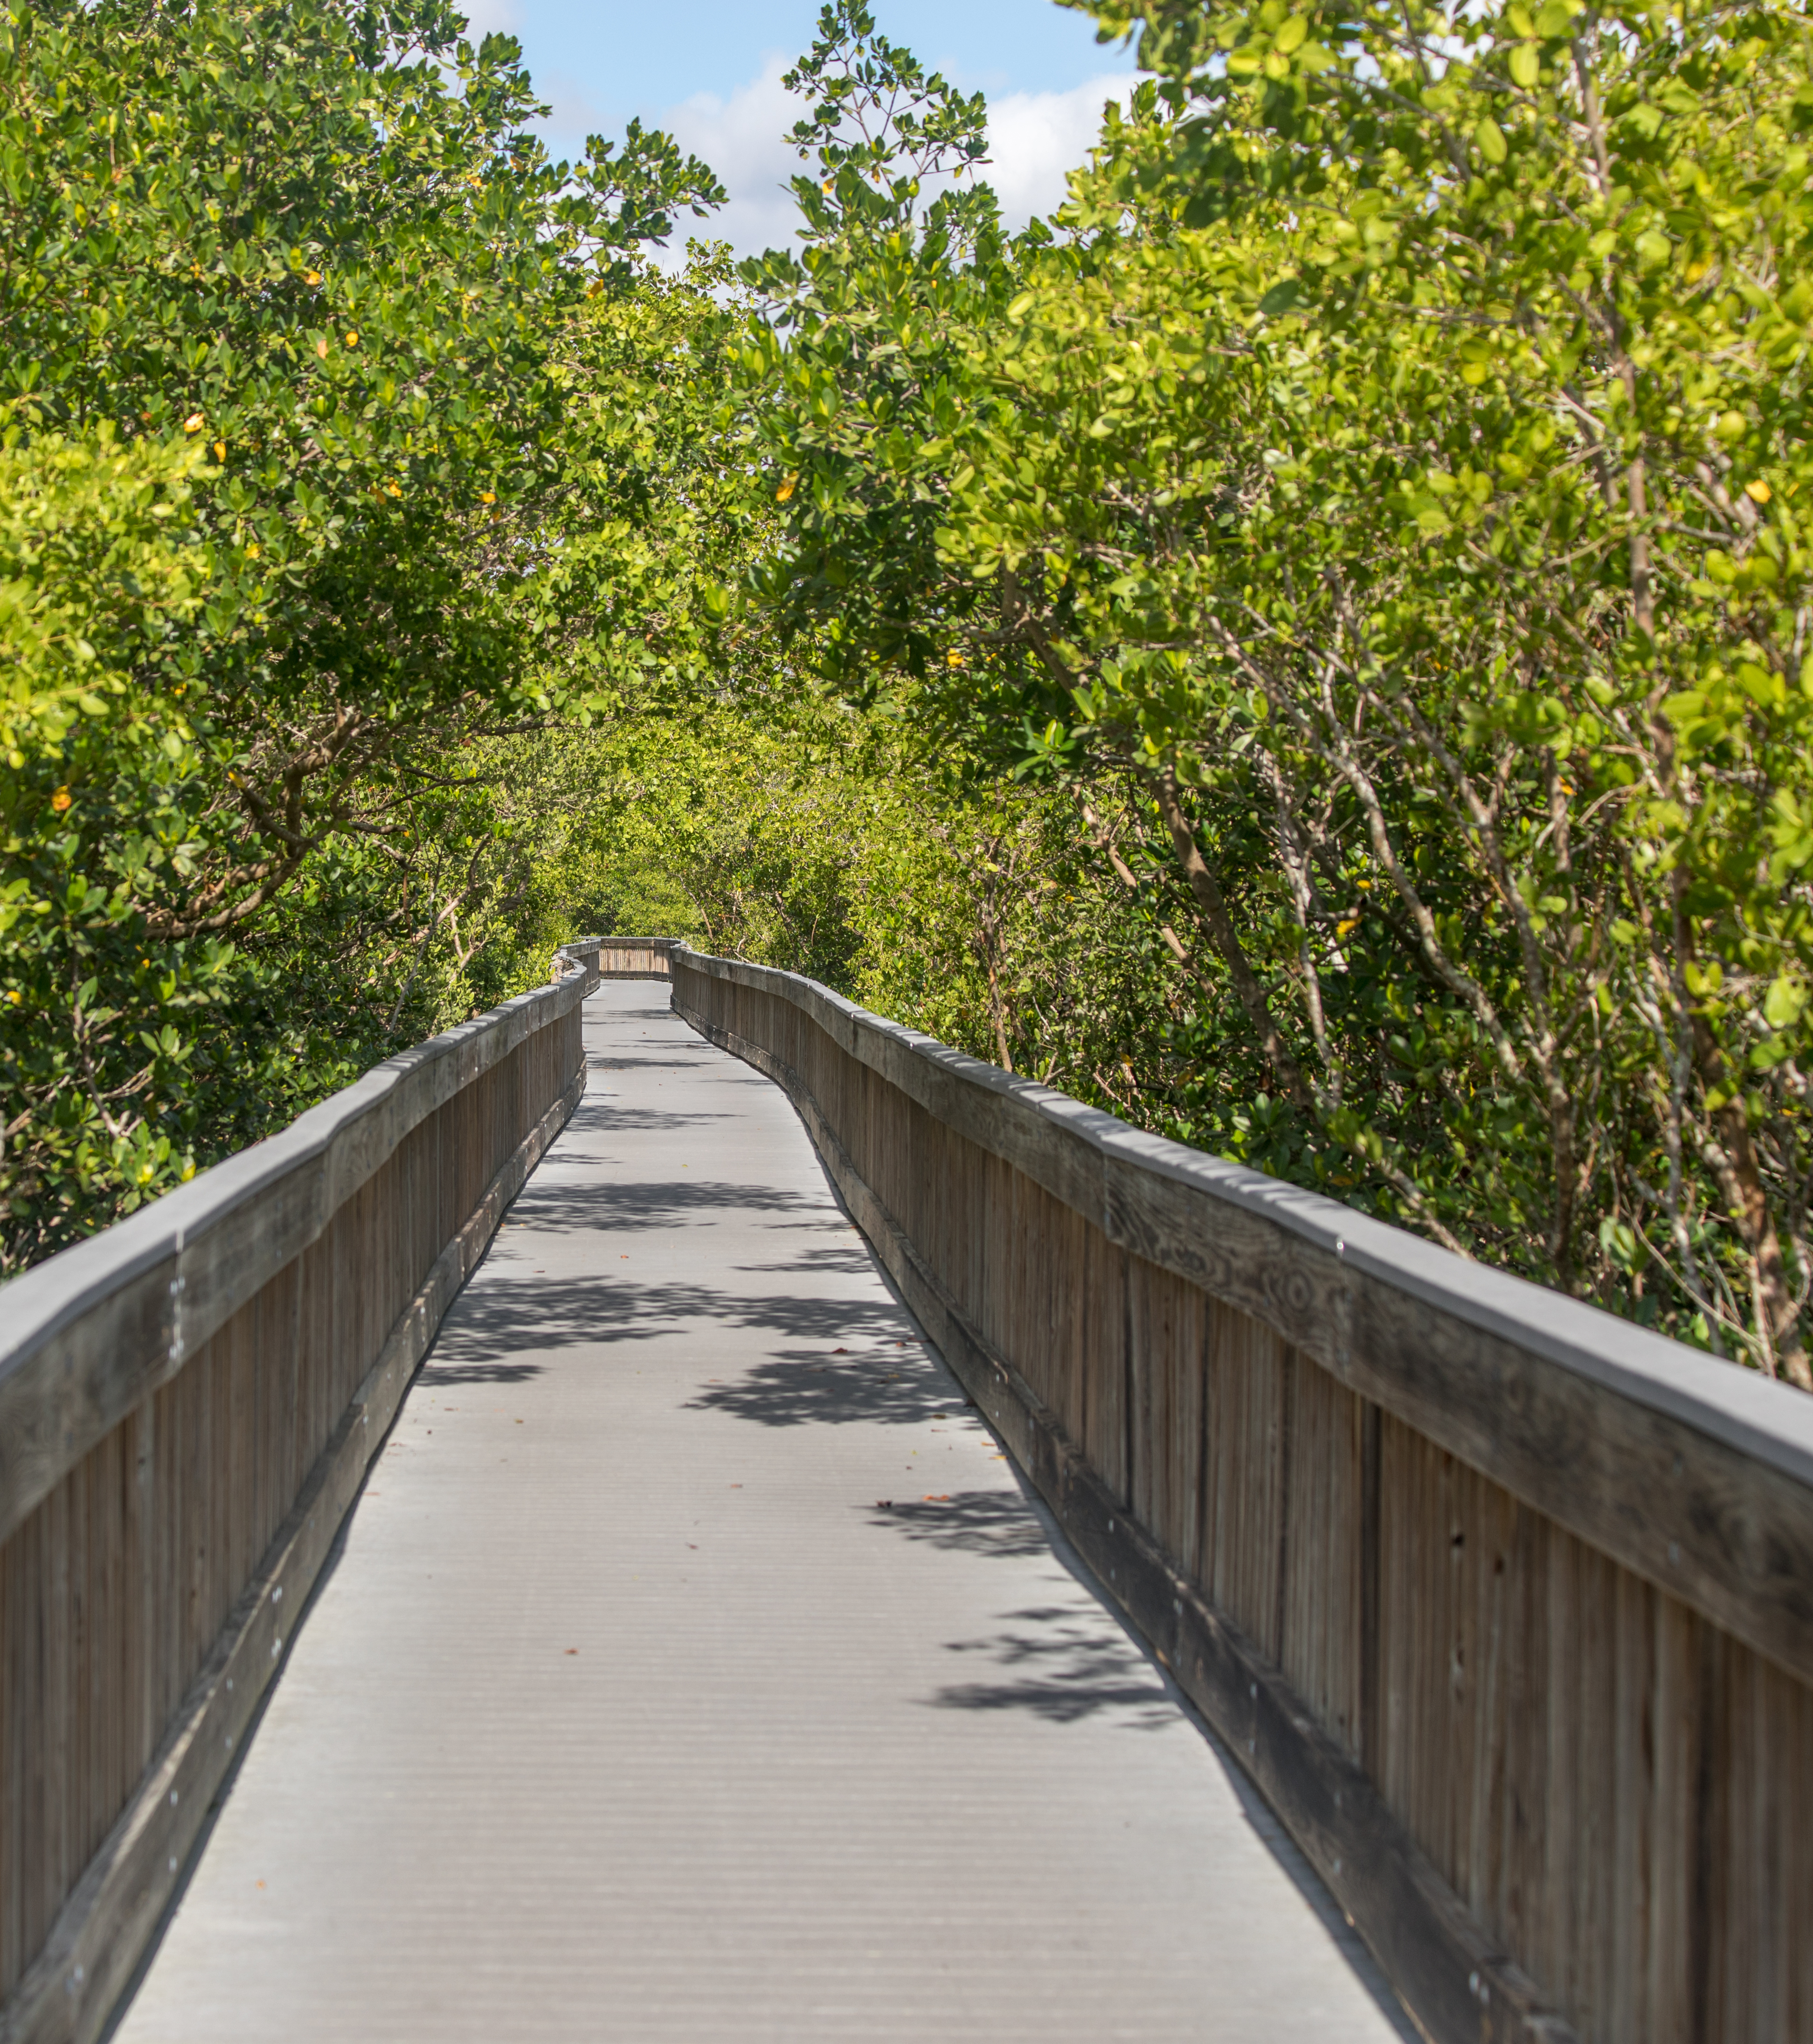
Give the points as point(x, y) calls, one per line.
point(1034, 138)
point(740, 138)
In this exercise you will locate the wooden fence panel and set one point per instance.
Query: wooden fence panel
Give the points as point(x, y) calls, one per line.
point(1507, 1605)
point(1321, 1498)
point(186, 1405)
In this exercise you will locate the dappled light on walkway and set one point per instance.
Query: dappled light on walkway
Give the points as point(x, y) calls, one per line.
point(695, 1666)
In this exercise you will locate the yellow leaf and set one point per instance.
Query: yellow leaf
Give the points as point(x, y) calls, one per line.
point(487, 497)
point(219, 449)
point(193, 423)
point(321, 348)
point(1758, 491)
point(311, 277)
point(786, 488)
point(61, 800)
point(1344, 928)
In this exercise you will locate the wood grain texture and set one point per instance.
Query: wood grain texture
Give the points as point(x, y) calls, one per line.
point(1514, 1631)
point(148, 1545)
point(633, 959)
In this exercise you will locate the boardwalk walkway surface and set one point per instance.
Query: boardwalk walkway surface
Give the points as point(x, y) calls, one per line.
point(694, 1668)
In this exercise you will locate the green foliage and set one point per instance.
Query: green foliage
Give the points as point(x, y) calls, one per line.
point(861, 342)
point(1317, 636)
point(650, 524)
point(102, 575)
point(287, 302)
point(815, 841)
point(1385, 483)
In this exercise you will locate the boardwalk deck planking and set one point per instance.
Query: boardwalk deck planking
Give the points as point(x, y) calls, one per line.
point(1507, 1606)
point(818, 1770)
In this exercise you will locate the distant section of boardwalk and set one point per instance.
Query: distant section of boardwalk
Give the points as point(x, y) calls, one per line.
point(695, 1668)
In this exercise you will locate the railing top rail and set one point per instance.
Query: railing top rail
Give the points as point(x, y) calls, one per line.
point(1764, 1418)
point(1697, 1472)
point(89, 1330)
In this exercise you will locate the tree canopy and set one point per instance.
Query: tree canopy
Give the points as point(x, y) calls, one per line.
point(288, 300)
point(1308, 647)
point(1385, 472)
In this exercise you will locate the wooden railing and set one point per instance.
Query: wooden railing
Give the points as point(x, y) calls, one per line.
point(188, 1403)
point(632, 958)
point(1505, 1604)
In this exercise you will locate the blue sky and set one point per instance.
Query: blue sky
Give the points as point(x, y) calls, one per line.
point(710, 72)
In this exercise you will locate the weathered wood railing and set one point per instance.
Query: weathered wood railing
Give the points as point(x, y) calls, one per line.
point(187, 1405)
point(1506, 1604)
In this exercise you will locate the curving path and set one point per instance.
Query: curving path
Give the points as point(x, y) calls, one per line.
point(695, 1668)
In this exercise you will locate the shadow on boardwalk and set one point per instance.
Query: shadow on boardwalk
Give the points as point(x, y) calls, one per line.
point(825, 1362)
point(639, 1205)
point(1065, 1668)
point(1056, 1662)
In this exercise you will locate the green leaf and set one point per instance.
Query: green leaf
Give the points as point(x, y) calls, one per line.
point(1785, 1002)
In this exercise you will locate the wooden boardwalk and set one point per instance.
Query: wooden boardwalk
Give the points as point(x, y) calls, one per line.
point(695, 1667)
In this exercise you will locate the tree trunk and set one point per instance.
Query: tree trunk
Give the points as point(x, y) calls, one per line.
point(1207, 889)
